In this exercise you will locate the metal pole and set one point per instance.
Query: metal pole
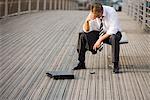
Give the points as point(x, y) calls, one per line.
point(37, 7)
point(50, 4)
point(144, 14)
point(19, 6)
point(6, 7)
point(44, 5)
point(63, 4)
point(29, 6)
point(60, 4)
point(69, 4)
point(55, 4)
point(138, 10)
point(66, 4)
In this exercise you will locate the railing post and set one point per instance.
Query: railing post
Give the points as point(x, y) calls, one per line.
point(6, 7)
point(37, 6)
point(131, 4)
point(63, 5)
point(19, 6)
point(128, 6)
point(144, 14)
point(138, 10)
point(72, 5)
point(29, 6)
point(44, 5)
point(55, 4)
point(50, 4)
point(69, 4)
point(66, 4)
point(134, 10)
point(59, 5)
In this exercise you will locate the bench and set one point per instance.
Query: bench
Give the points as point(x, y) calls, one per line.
point(124, 38)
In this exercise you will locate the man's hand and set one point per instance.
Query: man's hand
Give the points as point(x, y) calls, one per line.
point(91, 16)
point(86, 25)
point(97, 44)
point(99, 41)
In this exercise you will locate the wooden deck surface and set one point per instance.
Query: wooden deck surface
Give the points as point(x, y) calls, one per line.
point(33, 44)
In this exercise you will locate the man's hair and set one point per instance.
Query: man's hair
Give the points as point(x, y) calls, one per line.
point(97, 6)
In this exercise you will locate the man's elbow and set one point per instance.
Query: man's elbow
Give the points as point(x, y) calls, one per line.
point(86, 29)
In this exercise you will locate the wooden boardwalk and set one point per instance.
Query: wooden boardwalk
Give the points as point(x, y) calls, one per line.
point(33, 44)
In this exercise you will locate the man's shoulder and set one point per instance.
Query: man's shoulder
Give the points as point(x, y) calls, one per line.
point(108, 8)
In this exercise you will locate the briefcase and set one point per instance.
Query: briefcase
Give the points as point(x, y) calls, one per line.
point(60, 75)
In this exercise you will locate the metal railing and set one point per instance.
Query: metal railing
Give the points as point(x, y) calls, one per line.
point(139, 10)
point(17, 7)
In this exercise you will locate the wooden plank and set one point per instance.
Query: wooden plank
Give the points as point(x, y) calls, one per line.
point(142, 85)
point(33, 44)
point(61, 40)
point(37, 49)
point(128, 83)
point(137, 90)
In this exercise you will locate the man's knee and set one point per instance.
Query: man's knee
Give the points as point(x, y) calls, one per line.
point(82, 35)
point(113, 37)
point(116, 36)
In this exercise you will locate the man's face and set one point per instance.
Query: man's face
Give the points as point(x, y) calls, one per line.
point(97, 14)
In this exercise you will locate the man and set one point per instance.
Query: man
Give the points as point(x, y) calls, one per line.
point(101, 26)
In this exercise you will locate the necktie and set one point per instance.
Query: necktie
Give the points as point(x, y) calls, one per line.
point(101, 33)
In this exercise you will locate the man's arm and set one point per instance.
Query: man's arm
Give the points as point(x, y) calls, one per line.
point(86, 25)
point(113, 28)
point(102, 38)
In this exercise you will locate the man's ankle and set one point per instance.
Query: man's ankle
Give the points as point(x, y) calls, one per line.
point(81, 63)
point(116, 65)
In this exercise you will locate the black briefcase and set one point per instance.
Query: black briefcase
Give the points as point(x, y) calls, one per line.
point(60, 75)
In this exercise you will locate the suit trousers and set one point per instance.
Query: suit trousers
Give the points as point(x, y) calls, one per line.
point(86, 42)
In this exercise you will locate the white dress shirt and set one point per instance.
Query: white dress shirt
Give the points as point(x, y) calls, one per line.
point(110, 21)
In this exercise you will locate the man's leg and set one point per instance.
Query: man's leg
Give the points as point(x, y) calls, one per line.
point(115, 50)
point(81, 49)
point(114, 41)
point(86, 42)
point(92, 37)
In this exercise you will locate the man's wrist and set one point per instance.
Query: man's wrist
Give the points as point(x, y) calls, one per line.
point(100, 40)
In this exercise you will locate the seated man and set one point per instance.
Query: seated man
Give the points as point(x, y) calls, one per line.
point(100, 26)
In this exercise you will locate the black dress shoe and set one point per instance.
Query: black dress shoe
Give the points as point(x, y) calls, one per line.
point(80, 66)
point(94, 52)
point(116, 70)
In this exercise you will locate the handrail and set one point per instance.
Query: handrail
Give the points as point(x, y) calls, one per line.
point(17, 7)
point(139, 10)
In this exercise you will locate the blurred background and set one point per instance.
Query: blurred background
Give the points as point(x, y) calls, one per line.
point(85, 4)
point(138, 9)
point(8, 7)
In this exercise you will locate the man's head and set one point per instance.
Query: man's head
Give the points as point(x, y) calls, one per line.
point(97, 9)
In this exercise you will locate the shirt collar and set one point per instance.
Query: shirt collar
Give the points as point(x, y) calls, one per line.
point(104, 12)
